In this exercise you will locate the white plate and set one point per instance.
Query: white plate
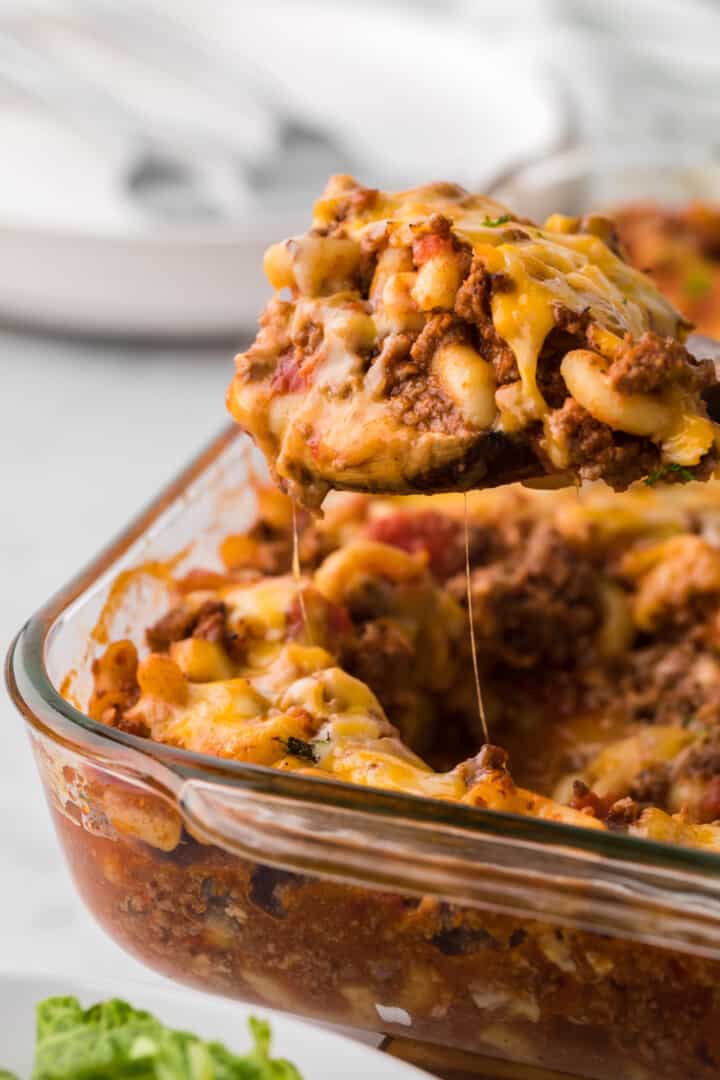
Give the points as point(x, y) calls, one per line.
point(416, 95)
point(318, 1054)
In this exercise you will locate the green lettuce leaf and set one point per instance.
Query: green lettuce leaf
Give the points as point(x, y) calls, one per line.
point(6, 1075)
point(113, 1040)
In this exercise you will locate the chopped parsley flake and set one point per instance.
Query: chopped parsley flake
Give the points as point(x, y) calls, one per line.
point(492, 223)
point(300, 748)
point(675, 472)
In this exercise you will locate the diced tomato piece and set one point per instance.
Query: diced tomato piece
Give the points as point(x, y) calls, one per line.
point(430, 245)
point(425, 530)
point(288, 377)
point(710, 803)
point(584, 798)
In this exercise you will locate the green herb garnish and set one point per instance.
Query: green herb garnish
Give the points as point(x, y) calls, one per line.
point(300, 748)
point(492, 223)
point(5, 1074)
point(112, 1039)
point(677, 472)
point(698, 283)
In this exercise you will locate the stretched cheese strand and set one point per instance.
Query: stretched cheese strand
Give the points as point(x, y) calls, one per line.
point(473, 647)
point(297, 574)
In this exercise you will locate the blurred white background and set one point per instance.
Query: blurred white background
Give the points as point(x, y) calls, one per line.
point(90, 428)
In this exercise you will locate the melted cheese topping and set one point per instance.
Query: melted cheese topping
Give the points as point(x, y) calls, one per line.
point(289, 705)
point(327, 419)
point(547, 266)
point(611, 773)
point(665, 828)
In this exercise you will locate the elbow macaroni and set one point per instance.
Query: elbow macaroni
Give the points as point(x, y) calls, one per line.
point(275, 684)
point(444, 287)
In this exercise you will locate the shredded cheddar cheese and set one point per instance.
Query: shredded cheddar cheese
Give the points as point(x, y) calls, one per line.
point(349, 669)
point(419, 350)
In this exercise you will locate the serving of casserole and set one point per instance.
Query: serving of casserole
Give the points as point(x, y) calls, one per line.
point(445, 765)
point(431, 340)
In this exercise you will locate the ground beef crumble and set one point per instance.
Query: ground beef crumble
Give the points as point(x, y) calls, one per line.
point(355, 200)
point(622, 814)
point(596, 451)
point(382, 656)
point(472, 304)
point(272, 341)
point(412, 389)
point(650, 363)
point(666, 683)
point(704, 759)
point(423, 405)
point(208, 622)
point(438, 330)
point(651, 786)
point(537, 605)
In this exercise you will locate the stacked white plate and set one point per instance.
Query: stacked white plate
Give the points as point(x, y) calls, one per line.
point(415, 95)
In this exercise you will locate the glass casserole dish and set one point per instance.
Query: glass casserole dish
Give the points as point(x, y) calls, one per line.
point(588, 953)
